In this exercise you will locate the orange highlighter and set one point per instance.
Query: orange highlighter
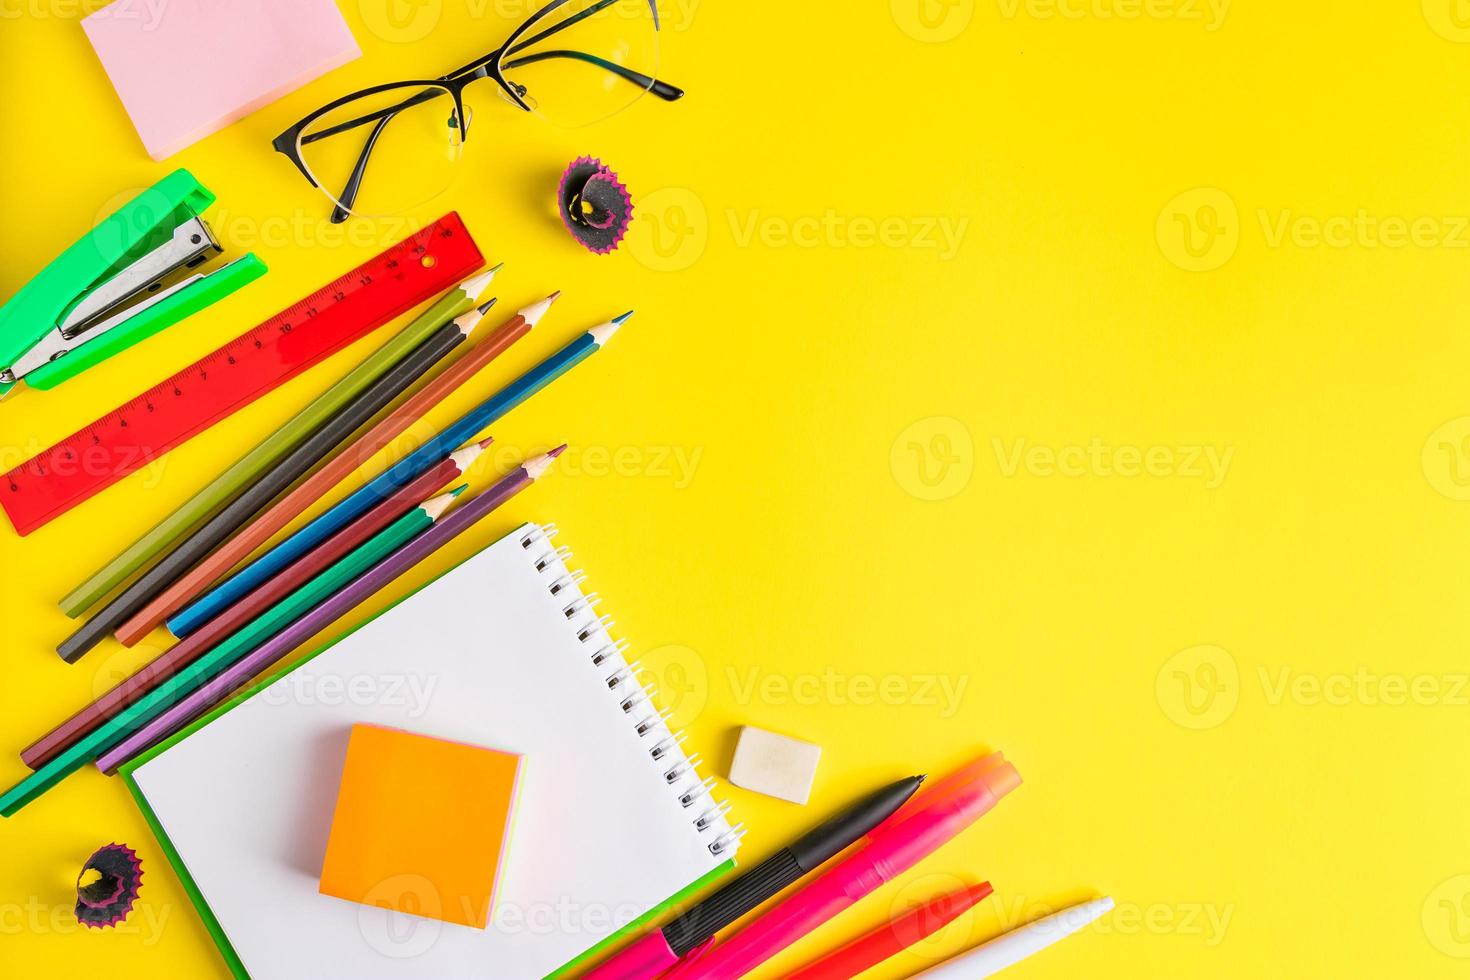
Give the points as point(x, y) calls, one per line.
point(893, 937)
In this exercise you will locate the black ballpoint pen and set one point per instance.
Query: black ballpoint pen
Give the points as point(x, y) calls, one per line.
point(661, 949)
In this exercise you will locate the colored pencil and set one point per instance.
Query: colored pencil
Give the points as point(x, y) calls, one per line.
point(310, 596)
point(132, 688)
point(893, 936)
point(236, 675)
point(426, 455)
point(229, 483)
point(294, 504)
point(277, 478)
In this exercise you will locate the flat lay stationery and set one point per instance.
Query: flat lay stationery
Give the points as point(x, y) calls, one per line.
point(375, 723)
point(516, 673)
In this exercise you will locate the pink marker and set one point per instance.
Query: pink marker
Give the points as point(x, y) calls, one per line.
point(912, 834)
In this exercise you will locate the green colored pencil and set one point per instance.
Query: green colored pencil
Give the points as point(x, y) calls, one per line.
point(239, 644)
point(458, 300)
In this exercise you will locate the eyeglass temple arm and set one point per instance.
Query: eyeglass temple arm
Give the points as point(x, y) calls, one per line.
point(571, 21)
point(665, 91)
point(348, 197)
point(481, 65)
point(428, 95)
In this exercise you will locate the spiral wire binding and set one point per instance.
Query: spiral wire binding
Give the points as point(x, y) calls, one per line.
point(653, 721)
point(574, 578)
point(665, 750)
point(691, 796)
point(621, 677)
point(613, 649)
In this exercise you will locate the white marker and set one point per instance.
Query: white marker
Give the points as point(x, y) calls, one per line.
point(990, 958)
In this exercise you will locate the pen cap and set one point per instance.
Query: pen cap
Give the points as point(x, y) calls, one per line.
point(990, 771)
point(899, 844)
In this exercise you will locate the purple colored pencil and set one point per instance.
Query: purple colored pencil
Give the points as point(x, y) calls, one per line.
point(247, 668)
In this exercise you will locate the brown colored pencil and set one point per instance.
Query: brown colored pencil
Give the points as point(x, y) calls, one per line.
point(186, 651)
point(296, 502)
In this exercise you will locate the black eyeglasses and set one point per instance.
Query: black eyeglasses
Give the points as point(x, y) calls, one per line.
point(574, 62)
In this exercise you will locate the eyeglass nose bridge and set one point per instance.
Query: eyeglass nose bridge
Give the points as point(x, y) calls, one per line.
point(518, 96)
point(460, 120)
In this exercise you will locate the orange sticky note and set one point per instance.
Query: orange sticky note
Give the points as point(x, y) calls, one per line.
point(421, 825)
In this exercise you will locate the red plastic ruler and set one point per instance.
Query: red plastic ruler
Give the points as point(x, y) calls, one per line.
point(420, 267)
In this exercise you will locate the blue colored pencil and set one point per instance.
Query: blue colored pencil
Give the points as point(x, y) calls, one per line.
point(431, 453)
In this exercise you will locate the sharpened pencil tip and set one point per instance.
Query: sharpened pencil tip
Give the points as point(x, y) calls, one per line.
point(459, 490)
point(436, 506)
point(485, 442)
point(603, 332)
point(533, 313)
point(476, 284)
point(537, 465)
point(464, 457)
point(485, 307)
point(497, 267)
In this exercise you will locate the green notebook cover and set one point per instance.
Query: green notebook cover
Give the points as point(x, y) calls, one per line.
point(206, 914)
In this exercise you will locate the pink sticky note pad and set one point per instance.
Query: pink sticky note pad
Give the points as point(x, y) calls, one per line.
point(188, 68)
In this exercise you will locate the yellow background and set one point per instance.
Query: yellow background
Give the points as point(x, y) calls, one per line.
point(1236, 694)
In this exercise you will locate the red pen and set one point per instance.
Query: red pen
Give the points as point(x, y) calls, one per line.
point(893, 937)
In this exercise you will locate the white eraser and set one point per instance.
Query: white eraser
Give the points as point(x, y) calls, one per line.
point(775, 764)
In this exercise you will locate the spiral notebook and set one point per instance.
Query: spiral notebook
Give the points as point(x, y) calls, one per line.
point(614, 824)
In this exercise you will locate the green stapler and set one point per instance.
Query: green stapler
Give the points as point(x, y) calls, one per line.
point(140, 270)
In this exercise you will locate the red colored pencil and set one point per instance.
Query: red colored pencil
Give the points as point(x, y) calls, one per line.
point(185, 652)
point(893, 937)
point(296, 502)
